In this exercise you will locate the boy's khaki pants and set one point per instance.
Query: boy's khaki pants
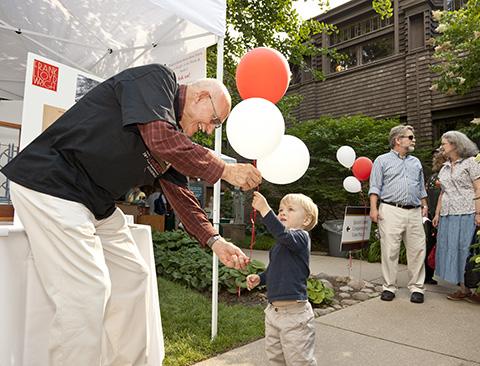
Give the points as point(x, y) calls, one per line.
point(290, 335)
point(95, 276)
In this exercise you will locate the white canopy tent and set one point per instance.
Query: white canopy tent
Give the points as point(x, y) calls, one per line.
point(105, 37)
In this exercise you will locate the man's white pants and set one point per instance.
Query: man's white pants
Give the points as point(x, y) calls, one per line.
point(401, 224)
point(95, 276)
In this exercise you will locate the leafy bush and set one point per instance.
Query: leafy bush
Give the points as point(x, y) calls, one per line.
point(373, 253)
point(476, 260)
point(323, 179)
point(234, 279)
point(318, 293)
point(180, 258)
point(262, 242)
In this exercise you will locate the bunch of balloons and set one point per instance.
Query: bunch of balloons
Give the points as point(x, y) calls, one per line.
point(361, 168)
point(256, 128)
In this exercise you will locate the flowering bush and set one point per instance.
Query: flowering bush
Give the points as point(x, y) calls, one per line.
point(457, 49)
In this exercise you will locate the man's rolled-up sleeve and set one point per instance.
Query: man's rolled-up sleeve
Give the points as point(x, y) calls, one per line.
point(376, 178)
point(190, 213)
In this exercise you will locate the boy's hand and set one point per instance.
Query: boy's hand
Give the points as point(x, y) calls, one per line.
point(260, 204)
point(252, 281)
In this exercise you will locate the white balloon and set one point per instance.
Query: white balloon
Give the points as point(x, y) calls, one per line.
point(255, 127)
point(352, 184)
point(346, 156)
point(287, 163)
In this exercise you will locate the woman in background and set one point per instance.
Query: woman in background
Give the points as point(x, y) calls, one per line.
point(458, 210)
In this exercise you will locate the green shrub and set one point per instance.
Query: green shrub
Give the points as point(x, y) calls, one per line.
point(233, 279)
point(373, 253)
point(318, 293)
point(180, 258)
point(323, 180)
point(476, 260)
point(263, 241)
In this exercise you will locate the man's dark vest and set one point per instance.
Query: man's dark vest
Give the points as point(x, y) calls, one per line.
point(94, 153)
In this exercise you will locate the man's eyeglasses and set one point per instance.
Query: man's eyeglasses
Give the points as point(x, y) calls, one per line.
point(410, 137)
point(216, 121)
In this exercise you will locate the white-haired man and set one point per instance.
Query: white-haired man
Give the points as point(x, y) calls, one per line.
point(397, 185)
point(129, 130)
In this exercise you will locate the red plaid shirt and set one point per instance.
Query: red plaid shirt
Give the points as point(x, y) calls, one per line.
point(168, 145)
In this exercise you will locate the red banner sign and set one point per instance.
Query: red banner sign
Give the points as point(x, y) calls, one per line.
point(45, 75)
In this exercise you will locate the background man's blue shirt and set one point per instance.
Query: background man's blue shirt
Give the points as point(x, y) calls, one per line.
point(398, 180)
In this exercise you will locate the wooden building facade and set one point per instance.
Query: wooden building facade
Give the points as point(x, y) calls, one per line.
point(388, 71)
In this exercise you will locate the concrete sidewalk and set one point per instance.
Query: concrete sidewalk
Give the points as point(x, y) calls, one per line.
point(437, 333)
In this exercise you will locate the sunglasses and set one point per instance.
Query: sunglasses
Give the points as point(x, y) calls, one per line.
point(410, 137)
point(216, 121)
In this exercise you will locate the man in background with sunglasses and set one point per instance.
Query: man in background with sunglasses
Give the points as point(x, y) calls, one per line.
point(129, 130)
point(397, 185)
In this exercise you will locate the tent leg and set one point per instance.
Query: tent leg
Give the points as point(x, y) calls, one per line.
point(216, 200)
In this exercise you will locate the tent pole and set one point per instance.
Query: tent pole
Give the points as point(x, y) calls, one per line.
point(216, 200)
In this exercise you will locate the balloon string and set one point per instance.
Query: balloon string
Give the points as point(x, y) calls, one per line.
point(253, 217)
point(364, 202)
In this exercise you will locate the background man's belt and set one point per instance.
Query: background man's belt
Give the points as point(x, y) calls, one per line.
point(400, 205)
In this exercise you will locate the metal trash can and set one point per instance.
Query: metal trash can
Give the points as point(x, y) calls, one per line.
point(334, 229)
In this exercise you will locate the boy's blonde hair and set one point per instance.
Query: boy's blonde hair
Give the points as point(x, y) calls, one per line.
point(307, 204)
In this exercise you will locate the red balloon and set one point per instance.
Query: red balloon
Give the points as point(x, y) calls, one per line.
point(263, 73)
point(361, 168)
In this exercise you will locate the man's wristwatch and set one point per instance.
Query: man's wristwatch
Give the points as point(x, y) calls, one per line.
point(212, 240)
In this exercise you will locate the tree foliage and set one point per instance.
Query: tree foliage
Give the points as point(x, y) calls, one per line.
point(275, 24)
point(457, 49)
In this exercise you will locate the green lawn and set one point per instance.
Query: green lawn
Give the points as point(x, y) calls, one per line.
point(186, 321)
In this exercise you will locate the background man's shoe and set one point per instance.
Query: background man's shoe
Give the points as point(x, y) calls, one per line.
point(474, 299)
point(459, 295)
point(416, 297)
point(387, 295)
point(431, 281)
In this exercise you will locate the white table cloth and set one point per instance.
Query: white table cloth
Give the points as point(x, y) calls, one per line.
point(25, 311)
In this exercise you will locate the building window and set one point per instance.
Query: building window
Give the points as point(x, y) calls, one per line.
point(377, 49)
point(416, 32)
point(360, 28)
point(350, 60)
point(454, 4)
point(370, 51)
point(306, 71)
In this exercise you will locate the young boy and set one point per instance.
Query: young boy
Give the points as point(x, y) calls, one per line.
point(289, 328)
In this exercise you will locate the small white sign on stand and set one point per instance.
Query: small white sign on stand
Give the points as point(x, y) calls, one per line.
point(356, 228)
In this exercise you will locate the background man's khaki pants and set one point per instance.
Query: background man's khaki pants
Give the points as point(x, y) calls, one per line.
point(401, 224)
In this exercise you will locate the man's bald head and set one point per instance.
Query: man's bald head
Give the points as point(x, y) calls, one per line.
point(219, 93)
